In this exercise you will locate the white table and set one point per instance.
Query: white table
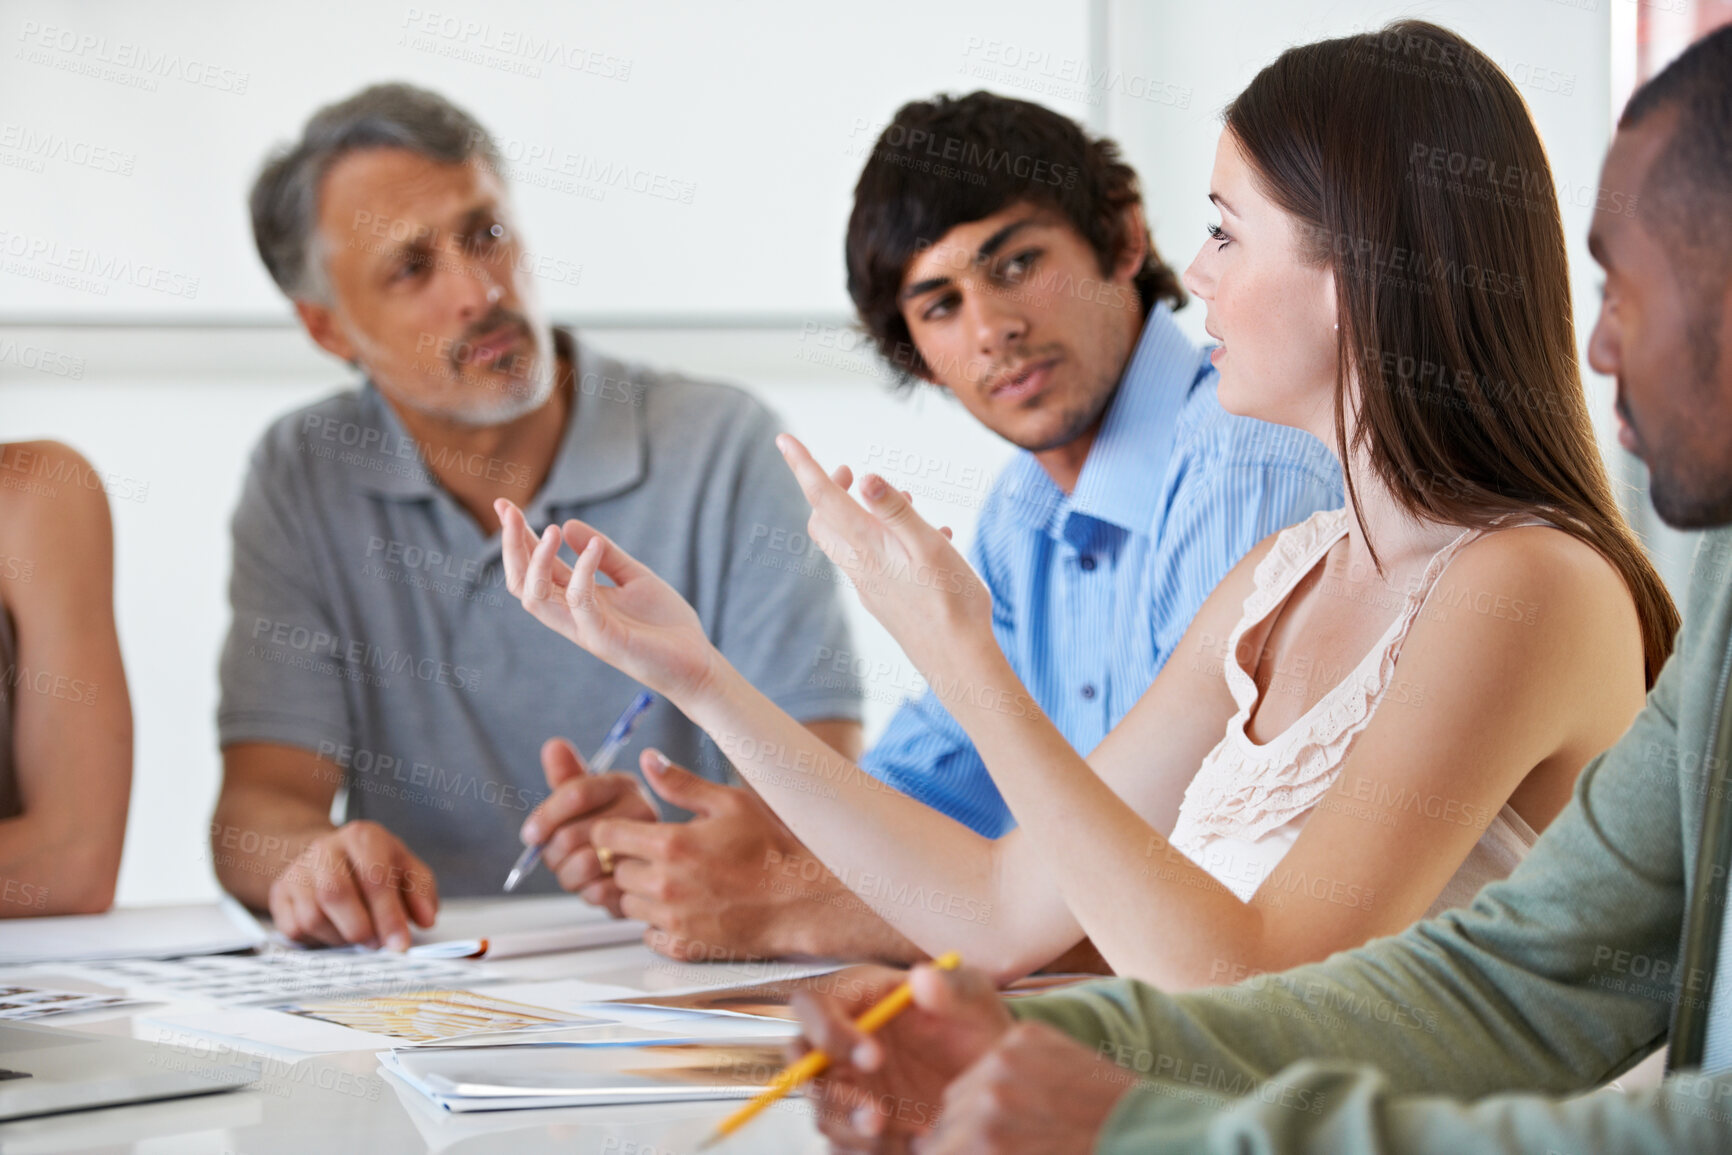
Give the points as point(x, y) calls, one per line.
point(342, 1103)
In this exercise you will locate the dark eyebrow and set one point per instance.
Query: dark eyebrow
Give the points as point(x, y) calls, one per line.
point(920, 288)
point(1221, 203)
point(988, 248)
point(997, 240)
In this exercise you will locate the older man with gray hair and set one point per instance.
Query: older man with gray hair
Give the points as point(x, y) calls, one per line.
point(373, 647)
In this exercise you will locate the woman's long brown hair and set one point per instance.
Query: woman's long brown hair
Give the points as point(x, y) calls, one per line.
point(1417, 176)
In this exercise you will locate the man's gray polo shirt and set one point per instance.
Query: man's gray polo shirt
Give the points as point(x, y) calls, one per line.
point(372, 624)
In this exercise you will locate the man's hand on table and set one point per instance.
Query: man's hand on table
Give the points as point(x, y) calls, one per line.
point(356, 884)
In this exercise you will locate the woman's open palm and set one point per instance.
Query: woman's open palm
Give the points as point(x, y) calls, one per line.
point(640, 625)
point(907, 573)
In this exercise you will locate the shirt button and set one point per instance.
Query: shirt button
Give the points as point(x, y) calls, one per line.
point(1088, 691)
point(1088, 561)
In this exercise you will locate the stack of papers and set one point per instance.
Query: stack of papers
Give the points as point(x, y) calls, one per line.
point(497, 928)
point(624, 1053)
point(508, 1078)
point(513, 1013)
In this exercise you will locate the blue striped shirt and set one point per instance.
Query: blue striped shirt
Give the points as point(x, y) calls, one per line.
point(1092, 591)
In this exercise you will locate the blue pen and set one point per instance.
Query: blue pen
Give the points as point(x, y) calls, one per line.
point(600, 763)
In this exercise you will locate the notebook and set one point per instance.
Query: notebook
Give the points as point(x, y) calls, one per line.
point(498, 1079)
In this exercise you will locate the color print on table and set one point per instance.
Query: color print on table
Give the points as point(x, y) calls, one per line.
point(428, 1016)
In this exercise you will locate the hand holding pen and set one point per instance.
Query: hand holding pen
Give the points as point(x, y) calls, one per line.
point(559, 828)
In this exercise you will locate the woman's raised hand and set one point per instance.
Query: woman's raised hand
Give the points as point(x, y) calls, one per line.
point(639, 625)
point(907, 574)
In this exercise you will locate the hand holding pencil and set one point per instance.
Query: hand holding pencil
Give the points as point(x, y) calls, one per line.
point(950, 1018)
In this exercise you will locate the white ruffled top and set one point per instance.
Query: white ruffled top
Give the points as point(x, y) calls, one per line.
point(1245, 808)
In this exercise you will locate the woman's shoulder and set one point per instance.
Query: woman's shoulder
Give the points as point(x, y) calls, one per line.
point(52, 499)
point(1541, 578)
point(50, 464)
point(47, 469)
point(1538, 557)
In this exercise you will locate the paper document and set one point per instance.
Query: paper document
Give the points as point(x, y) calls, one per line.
point(610, 1004)
point(255, 1030)
point(37, 1002)
point(278, 975)
point(768, 1000)
point(516, 1078)
point(665, 976)
point(351, 1027)
point(508, 927)
point(134, 932)
point(696, 1029)
point(772, 998)
point(426, 1016)
point(576, 995)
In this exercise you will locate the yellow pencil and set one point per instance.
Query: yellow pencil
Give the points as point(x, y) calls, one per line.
point(813, 1064)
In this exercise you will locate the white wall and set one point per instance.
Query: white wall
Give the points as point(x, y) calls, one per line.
point(764, 108)
point(762, 112)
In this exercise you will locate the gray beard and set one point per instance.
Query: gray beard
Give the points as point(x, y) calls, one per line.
point(505, 406)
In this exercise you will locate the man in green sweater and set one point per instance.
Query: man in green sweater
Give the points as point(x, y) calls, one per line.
point(1484, 1029)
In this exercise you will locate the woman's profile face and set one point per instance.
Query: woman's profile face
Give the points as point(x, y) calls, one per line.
point(1272, 311)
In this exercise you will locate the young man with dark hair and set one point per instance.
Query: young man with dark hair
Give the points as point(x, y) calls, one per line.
point(1000, 254)
point(1482, 1029)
